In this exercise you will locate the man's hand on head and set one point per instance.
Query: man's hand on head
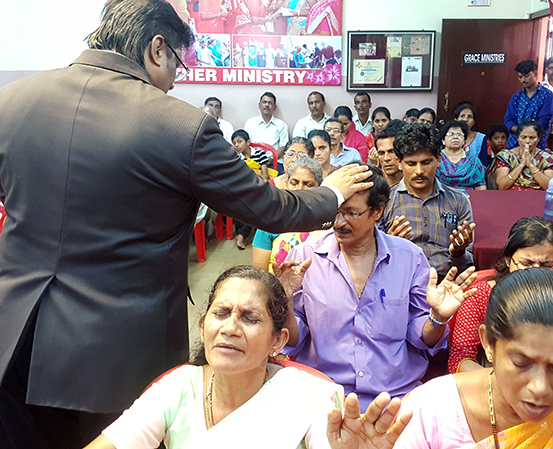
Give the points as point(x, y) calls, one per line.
point(349, 179)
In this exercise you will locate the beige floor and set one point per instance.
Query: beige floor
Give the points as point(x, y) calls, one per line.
point(221, 254)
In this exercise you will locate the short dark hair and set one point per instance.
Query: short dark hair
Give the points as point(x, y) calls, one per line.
point(360, 94)
point(316, 92)
point(277, 303)
point(531, 124)
point(383, 110)
point(418, 137)
point(335, 120)
point(526, 232)
point(128, 27)
point(208, 99)
point(379, 194)
point(268, 94)
point(319, 132)
point(345, 111)
point(240, 133)
point(413, 112)
point(428, 111)
point(392, 130)
point(547, 62)
point(455, 124)
point(462, 107)
point(303, 141)
point(498, 128)
point(525, 67)
point(523, 297)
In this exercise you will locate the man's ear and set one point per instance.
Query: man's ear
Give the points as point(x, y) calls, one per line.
point(156, 51)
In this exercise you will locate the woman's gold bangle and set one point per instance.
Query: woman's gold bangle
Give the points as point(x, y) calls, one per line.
point(510, 177)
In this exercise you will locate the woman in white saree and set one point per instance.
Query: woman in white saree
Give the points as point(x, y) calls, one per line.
point(235, 396)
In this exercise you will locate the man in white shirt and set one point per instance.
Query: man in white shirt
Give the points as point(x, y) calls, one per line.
point(362, 104)
point(316, 118)
point(266, 128)
point(226, 127)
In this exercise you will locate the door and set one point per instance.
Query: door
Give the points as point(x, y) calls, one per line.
point(488, 86)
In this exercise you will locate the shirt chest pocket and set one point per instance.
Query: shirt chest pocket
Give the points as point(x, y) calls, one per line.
point(390, 319)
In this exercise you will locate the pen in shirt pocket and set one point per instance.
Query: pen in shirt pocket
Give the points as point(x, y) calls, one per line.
point(382, 295)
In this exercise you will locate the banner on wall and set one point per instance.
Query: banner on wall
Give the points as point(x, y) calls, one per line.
point(277, 42)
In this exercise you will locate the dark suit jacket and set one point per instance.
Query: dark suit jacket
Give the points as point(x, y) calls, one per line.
point(101, 174)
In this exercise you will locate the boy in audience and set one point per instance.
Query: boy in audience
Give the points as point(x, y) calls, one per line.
point(411, 115)
point(241, 142)
point(497, 138)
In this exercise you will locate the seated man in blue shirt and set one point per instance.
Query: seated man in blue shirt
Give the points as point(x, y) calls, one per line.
point(339, 154)
point(533, 102)
point(360, 309)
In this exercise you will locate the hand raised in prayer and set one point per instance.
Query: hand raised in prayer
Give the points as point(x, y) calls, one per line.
point(446, 298)
point(401, 228)
point(373, 156)
point(461, 238)
point(526, 160)
point(369, 431)
point(290, 274)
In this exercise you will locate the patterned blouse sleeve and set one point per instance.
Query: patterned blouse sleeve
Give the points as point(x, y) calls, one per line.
point(465, 339)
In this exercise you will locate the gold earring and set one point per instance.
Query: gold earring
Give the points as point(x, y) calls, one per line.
point(489, 357)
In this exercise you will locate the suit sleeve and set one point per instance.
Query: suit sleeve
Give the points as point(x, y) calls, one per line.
point(221, 180)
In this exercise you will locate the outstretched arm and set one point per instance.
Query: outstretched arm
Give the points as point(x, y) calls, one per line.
point(369, 431)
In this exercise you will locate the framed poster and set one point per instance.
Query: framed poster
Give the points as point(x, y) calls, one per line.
point(390, 60)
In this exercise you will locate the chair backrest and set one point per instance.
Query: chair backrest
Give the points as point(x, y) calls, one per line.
point(281, 362)
point(480, 276)
point(266, 147)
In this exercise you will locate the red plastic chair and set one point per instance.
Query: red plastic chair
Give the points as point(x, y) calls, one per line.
point(266, 147)
point(219, 228)
point(282, 362)
point(199, 238)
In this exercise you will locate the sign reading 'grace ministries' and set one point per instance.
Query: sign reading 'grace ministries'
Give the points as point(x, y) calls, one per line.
point(289, 77)
point(483, 58)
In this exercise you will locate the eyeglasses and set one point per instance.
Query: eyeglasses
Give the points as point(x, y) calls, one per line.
point(454, 134)
point(529, 264)
point(333, 131)
point(178, 58)
point(350, 215)
point(292, 153)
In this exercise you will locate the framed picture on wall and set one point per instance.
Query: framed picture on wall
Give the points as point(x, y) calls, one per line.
point(390, 60)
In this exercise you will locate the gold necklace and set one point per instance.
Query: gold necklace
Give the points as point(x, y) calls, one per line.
point(492, 411)
point(208, 398)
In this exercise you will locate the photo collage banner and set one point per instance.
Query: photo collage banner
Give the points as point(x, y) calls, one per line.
point(277, 42)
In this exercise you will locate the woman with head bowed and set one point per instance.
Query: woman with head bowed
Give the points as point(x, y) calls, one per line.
point(510, 404)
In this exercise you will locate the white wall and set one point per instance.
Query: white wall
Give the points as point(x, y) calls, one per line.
point(58, 27)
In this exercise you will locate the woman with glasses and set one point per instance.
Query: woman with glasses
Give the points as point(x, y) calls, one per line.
point(510, 404)
point(530, 244)
point(525, 167)
point(458, 168)
point(295, 149)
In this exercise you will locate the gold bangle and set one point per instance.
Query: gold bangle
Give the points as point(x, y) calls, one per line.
point(510, 177)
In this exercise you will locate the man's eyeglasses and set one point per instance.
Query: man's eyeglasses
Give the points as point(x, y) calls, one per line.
point(292, 153)
point(333, 131)
point(455, 135)
point(350, 215)
point(522, 265)
point(178, 58)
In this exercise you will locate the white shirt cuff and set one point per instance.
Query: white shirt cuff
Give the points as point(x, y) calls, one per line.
point(337, 192)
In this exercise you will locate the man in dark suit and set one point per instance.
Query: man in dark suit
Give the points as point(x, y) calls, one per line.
point(101, 175)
